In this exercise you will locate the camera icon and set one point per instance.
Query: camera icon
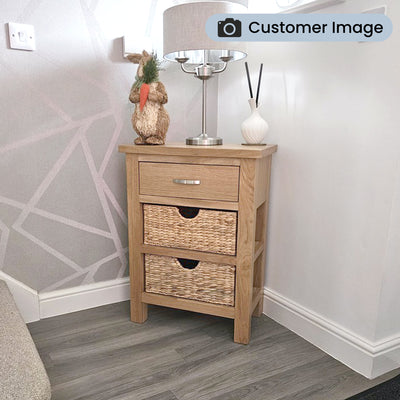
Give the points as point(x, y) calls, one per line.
point(230, 28)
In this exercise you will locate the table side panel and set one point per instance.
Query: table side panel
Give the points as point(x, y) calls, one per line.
point(245, 251)
point(135, 227)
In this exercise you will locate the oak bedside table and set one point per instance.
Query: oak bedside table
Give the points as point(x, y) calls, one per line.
point(197, 229)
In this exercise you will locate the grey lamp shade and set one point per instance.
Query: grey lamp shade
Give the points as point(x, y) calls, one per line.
point(184, 31)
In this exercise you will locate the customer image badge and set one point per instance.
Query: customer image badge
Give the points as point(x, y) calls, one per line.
point(299, 27)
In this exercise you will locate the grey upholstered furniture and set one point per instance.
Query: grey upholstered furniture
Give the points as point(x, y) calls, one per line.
point(22, 374)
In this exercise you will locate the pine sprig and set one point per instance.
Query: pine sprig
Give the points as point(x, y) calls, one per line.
point(138, 82)
point(150, 72)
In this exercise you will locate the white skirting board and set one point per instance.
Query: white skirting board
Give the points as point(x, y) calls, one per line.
point(25, 298)
point(34, 306)
point(370, 359)
point(79, 298)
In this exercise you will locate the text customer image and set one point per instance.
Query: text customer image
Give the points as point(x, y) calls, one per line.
point(368, 30)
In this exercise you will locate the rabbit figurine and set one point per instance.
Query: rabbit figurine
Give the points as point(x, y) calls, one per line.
point(150, 120)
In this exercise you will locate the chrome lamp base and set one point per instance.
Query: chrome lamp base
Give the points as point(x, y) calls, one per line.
point(203, 140)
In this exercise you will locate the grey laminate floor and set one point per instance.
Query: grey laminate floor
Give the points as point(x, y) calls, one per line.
point(99, 354)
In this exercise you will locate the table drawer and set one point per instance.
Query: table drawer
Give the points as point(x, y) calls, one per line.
point(213, 231)
point(208, 182)
point(190, 279)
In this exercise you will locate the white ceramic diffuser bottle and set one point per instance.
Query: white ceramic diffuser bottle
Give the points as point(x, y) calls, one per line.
point(254, 128)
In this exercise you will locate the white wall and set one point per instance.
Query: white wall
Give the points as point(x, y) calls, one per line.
point(334, 215)
point(389, 307)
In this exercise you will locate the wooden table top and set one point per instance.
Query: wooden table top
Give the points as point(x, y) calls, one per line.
point(181, 149)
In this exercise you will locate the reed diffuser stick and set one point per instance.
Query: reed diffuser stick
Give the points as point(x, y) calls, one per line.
point(248, 79)
point(259, 83)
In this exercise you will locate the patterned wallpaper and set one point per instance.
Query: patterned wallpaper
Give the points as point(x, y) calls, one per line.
point(64, 109)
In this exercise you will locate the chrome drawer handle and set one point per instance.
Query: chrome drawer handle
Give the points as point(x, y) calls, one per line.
point(186, 181)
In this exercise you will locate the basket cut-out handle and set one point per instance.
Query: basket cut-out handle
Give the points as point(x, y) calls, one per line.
point(188, 212)
point(188, 264)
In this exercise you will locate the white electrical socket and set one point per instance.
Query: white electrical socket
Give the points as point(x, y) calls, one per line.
point(22, 36)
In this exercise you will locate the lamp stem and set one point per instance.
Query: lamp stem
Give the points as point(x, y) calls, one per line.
point(204, 111)
point(204, 71)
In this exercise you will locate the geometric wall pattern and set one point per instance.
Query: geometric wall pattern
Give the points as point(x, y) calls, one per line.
point(48, 215)
point(69, 215)
point(64, 110)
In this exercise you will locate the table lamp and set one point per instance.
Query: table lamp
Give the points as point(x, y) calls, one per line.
point(186, 42)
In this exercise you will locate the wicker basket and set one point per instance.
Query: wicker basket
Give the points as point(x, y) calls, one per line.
point(190, 228)
point(203, 281)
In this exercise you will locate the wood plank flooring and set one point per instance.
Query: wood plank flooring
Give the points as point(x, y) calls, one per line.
point(98, 354)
